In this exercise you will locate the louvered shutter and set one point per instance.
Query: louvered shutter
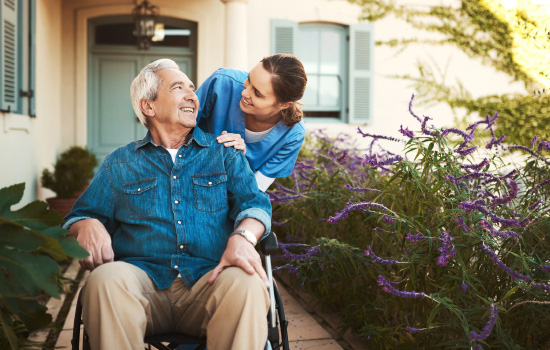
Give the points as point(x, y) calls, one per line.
point(360, 73)
point(9, 61)
point(283, 36)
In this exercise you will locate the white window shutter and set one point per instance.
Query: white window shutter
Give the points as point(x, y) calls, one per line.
point(284, 36)
point(32, 60)
point(9, 85)
point(361, 54)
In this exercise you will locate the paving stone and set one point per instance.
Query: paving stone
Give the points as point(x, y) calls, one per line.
point(321, 344)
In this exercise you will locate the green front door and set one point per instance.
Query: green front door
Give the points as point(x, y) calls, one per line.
point(111, 118)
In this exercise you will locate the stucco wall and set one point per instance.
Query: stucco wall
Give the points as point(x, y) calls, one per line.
point(30, 144)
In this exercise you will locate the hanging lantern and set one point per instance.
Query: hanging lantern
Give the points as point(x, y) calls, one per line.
point(145, 18)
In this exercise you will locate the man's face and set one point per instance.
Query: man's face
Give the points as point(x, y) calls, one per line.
point(176, 103)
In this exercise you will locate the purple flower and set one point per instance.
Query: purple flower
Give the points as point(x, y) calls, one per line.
point(470, 206)
point(387, 219)
point(290, 269)
point(281, 199)
point(467, 137)
point(464, 287)
point(512, 194)
point(533, 141)
point(410, 109)
point(535, 205)
point(447, 250)
point(461, 223)
point(310, 252)
point(413, 330)
point(543, 145)
point(545, 287)
point(358, 189)
point(528, 150)
point(375, 258)
point(476, 167)
point(545, 268)
point(277, 223)
point(364, 134)
point(414, 238)
point(493, 256)
point(495, 142)
point(389, 288)
point(504, 234)
point(463, 152)
point(488, 328)
point(375, 163)
point(406, 132)
point(539, 185)
point(354, 206)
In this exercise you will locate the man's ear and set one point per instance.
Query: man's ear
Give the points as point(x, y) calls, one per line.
point(285, 105)
point(146, 107)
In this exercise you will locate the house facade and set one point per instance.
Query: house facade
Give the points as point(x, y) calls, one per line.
point(66, 67)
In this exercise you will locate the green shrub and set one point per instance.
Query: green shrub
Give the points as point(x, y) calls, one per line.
point(443, 246)
point(31, 241)
point(72, 171)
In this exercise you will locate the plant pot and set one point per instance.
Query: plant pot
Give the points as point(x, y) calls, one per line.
point(61, 205)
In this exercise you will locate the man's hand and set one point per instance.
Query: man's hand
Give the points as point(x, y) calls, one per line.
point(232, 140)
point(239, 252)
point(92, 236)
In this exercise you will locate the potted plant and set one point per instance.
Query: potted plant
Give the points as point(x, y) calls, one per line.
point(72, 173)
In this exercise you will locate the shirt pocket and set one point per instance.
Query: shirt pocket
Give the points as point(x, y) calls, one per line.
point(210, 192)
point(140, 197)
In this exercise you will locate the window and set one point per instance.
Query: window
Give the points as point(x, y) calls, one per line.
point(17, 56)
point(338, 64)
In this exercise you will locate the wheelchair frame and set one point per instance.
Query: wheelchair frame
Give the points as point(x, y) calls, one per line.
point(277, 338)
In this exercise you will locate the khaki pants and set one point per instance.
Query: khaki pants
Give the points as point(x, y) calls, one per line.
point(121, 305)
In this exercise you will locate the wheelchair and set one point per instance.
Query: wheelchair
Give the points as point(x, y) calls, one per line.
point(277, 336)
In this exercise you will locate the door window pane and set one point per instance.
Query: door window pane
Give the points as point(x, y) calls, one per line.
point(329, 91)
point(330, 53)
point(308, 41)
point(123, 34)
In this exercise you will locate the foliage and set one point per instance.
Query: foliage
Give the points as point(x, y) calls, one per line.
point(442, 246)
point(31, 241)
point(514, 43)
point(72, 171)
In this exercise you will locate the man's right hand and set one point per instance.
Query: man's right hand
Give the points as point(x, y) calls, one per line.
point(92, 236)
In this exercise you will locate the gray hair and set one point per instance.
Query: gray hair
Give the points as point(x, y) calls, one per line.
point(147, 83)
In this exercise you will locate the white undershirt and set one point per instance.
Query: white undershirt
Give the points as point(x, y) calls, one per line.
point(257, 136)
point(173, 153)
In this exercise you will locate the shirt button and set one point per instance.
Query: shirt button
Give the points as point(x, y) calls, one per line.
point(179, 155)
point(209, 182)
point(176, 202)
point(174, 176)
point(139, 189)
point(179, 222)
point(181, 246)
point(175, 266)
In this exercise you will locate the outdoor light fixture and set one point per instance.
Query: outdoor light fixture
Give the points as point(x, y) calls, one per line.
point(145, 17)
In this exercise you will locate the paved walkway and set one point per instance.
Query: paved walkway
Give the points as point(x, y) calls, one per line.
point(304, 331)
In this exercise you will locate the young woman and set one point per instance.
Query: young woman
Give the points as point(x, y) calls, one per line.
point(260, 107)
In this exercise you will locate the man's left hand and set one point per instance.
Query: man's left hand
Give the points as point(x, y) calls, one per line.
point(239, 252)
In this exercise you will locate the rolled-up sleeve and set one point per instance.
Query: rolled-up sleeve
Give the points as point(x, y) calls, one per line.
point(245, 198)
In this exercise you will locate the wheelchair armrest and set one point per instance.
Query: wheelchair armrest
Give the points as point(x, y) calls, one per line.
point(269, 245)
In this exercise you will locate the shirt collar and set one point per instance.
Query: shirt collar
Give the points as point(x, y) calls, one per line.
point(197, 135)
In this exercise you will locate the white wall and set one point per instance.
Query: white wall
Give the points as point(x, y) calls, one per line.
point(30, 144)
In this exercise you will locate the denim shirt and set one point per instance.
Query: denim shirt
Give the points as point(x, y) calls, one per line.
point(173, 218)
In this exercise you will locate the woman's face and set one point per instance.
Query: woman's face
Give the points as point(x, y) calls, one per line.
point(258, 98)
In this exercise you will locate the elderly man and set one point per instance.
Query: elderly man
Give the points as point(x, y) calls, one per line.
point(170, 223)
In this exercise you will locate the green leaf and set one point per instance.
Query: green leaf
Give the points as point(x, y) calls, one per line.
point(10, 196)
point(30, 312)
point(17, 237)
point(27, 274)
point(8, 331)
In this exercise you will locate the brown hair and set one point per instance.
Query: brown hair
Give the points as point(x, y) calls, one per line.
point(289, 84)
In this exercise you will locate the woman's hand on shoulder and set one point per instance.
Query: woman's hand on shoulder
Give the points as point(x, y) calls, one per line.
point(232, 140)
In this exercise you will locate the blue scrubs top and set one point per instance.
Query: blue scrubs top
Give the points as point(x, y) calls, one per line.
point(219, 110)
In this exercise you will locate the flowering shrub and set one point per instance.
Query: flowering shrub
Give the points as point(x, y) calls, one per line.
point(443, 246)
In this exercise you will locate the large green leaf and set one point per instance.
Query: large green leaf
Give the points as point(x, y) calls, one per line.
point(30, 312)
point(17, 237)
point(26, 274)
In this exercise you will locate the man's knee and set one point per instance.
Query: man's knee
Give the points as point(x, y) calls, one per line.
point(240, 286)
